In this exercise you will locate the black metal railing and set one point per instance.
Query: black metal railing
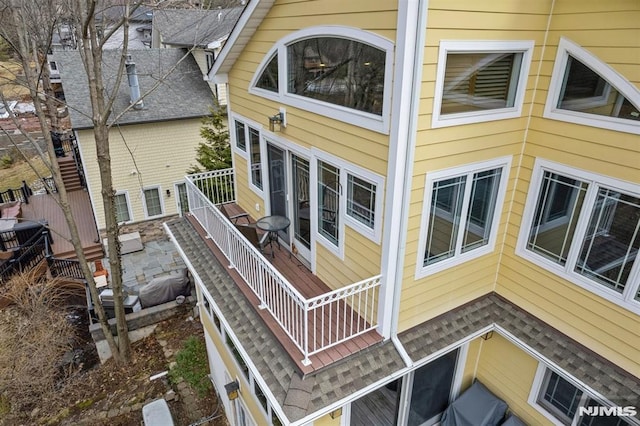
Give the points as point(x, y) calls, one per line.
point(21, 194)
point(77, 160)
point(65, 268)
point(27, 256)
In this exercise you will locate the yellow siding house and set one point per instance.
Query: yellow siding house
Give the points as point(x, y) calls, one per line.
point(433, 214)
point(153, 144)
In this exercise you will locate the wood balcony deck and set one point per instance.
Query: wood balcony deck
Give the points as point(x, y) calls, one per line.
point(309, 286)
point(44, 207)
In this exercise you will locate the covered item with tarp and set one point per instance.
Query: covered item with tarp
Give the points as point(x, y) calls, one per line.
point(165, 289)
point(477, 406)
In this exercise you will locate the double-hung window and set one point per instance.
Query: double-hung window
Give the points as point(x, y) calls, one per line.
point(564, 403)
point(255, 158)
point(152, 202)
point(123, 213)
point(460, 214)
point(480, 81)
point(585, 227)
point(240, 135)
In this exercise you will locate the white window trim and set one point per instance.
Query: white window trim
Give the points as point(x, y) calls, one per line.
point(505, 164)
point(234, 140)
point(375, 233)
point(126, 196)
point(567, 47)
point(536, 388)
point(160, 198)
point(626, 299)
point(478, 46)
point(377, 123)
point(241, 405)
point(346, 168)
point(263, 162)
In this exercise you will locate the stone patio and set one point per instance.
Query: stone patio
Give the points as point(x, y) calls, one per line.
point(159, 257)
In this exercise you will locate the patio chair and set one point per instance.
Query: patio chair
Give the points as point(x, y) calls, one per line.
point(234, 218)
point(250, 232)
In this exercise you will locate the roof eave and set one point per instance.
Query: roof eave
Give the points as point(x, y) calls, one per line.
point(249, 20)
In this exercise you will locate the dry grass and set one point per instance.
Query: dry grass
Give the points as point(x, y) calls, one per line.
point(10, 86)
point(34, 335)
point(13, 176)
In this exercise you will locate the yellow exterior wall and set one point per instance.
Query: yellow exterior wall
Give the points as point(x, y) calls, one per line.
point(160, 152)
point(603, 326)
point(362, 147)
point(447, 147)
point(508, 372)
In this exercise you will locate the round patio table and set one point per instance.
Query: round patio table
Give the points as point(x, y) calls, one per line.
point(273, 224)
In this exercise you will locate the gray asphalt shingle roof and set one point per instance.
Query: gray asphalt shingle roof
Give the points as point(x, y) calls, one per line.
point(302, 396)
point(181, 94)
point(194, 27)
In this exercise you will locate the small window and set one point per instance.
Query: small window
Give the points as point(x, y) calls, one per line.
point(338, 71)
point(210, 57)
point(53, 66)
point(587, 228)
point(241, 142)
point(123, 214)
point(238, 357)
point(329, 202)
point(268, 80)
point(461, 215)
point(561, 401)
point(152, 202)
point(587, 91)
point(361, 200)
point(480, 81)
point(256, 160)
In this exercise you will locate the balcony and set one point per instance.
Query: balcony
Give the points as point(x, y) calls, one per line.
point(322, 325)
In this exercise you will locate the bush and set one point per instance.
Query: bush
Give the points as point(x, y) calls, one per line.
point(192, 366)
point(6, 161)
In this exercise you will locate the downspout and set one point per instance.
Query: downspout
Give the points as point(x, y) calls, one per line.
point(404, 134)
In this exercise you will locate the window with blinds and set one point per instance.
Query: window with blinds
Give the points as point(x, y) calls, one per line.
point(480, 81)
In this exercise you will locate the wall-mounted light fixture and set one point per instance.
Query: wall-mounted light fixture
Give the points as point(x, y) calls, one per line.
point(168, 193)
point(336, 413)
point(232, 389)
point(280, 119)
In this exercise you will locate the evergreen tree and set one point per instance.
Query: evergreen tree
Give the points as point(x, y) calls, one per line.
point(214, 153)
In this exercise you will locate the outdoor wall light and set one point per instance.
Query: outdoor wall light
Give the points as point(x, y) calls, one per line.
point(232, 389)
point(278, 119)
point(168, 193)
point(336, 413)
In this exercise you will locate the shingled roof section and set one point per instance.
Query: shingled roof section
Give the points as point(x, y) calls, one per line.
point(297, 395)
point(618, 386)
point(182, 93)
point(195, 27)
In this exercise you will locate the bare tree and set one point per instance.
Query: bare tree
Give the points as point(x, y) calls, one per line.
point(28, 25)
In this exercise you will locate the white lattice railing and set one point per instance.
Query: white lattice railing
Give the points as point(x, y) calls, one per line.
point(312, 324)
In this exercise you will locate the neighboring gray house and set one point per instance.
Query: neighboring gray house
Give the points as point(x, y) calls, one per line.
point(153, 144)
point(205, 30)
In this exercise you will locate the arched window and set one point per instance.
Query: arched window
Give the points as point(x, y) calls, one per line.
point(338, 72)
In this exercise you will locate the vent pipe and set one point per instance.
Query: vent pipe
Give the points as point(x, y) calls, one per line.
point(134, 87)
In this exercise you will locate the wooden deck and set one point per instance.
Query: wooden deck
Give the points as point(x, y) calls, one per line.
point(45, 207)
point(308, 285)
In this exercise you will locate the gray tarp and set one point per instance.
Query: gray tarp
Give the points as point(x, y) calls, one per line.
point(164, 289)
point(477, 406)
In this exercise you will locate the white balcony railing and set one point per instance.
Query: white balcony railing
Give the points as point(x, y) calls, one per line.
point(313, 324)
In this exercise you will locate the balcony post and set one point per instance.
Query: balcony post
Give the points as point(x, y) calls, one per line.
point(305, 339)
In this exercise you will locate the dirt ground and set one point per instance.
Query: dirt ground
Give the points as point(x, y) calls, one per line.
point(106, 395)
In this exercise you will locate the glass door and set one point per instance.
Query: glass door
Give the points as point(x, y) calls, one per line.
point(278, 185)
point(301, 223)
